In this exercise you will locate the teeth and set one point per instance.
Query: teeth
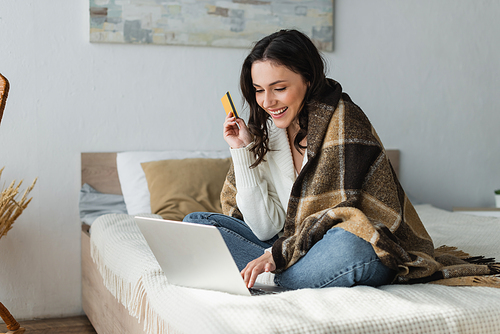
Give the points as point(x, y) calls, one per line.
point(277, 112)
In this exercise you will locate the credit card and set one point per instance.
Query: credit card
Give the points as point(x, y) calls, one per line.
point(228, 104)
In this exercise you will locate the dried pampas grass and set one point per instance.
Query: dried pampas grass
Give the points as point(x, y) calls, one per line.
point(10, 207)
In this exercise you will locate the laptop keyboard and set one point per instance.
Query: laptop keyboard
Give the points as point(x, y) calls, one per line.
point(260, 292)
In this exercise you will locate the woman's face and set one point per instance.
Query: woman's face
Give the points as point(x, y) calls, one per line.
point(279, 91)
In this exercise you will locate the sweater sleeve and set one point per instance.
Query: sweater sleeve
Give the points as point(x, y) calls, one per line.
point(254, 196)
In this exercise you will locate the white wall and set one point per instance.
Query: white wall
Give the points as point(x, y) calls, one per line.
point(426, 73)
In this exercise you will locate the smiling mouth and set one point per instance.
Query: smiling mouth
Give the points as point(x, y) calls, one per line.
point(279, 111)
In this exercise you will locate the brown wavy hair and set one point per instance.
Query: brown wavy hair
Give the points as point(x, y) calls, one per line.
point(294, 50)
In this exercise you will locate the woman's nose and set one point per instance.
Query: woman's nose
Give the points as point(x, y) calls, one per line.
point(268, 100)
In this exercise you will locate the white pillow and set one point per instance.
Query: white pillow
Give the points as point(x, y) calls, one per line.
point(133, 180)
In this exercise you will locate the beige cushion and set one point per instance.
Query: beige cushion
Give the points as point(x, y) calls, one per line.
point(179, 187)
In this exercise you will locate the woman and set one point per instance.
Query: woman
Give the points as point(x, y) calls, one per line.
point(311, 195)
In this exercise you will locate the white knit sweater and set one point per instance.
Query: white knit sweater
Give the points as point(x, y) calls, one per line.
point(264, 191)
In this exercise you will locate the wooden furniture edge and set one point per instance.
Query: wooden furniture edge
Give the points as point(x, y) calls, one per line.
point(99, 171)
point(86, 228)
point(4, 93)
point(105, 312)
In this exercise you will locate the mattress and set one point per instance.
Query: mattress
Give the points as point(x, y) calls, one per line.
point(132, 275)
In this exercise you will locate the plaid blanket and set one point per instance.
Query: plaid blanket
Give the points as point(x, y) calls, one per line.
point(349, 183)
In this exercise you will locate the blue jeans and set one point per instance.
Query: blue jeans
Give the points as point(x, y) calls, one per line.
point(339, 259)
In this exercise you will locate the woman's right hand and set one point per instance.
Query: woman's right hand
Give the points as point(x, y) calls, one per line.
point(236, 132)
point(264, 263)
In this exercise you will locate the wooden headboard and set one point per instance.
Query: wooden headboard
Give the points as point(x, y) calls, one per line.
point(99, 170)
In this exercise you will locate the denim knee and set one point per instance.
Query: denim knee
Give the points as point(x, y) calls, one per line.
point(339, 259)
point(193, 216)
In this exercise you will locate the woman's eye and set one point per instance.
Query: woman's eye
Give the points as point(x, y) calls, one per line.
point(259, 90)
point(280, 89)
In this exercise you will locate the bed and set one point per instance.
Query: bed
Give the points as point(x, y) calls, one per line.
point(125, 291)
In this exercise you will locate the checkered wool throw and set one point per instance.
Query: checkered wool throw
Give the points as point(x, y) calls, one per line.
point(348, 182)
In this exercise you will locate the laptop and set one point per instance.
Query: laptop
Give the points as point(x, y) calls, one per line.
point(196, 256)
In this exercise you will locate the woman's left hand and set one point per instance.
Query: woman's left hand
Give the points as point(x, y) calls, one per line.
point(256, 267)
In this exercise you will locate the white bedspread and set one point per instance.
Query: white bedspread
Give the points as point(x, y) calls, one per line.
point(133, 276)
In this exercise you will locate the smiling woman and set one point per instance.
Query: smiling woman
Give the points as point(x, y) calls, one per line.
point(311, 195)
point(280, 92)
point(295, 173)
point(283, 193)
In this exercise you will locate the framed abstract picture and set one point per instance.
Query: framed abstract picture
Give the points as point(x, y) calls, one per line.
point(222, 23)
